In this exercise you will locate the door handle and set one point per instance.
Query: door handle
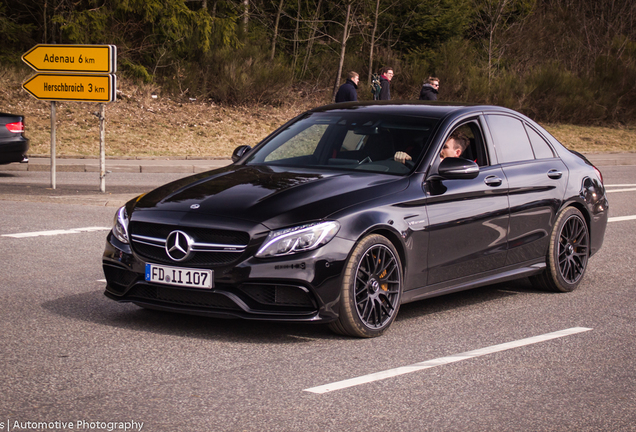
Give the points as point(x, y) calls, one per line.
point(555, 174)
point(493, 181)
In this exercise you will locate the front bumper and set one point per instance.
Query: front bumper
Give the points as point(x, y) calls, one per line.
point(302, 287)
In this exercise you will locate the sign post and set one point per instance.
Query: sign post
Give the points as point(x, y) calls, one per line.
point(80, 73)
point(53, 145)
point(102, 148)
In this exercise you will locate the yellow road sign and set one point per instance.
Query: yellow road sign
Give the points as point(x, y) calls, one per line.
point(72, 87)
point(72, 58)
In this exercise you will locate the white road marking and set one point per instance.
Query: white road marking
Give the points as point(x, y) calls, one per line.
point(620, 190)
point(101, 280)
point(621, 218)
point(631, 188)
point(55, 232)
point(443, 361)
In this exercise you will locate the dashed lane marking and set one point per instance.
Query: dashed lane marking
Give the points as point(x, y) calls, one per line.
point(630, 188)
point(55, 232)
point(621, 218)
point(621, 190)
point(443, 361)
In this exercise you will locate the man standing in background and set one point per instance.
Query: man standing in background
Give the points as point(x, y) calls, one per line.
point(347, 91)
point(430, 89)
point(385, 82)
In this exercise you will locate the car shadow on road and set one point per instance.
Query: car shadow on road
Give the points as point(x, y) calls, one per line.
point(95, 308)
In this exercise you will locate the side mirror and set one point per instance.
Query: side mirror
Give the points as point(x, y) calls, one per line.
point(239, 152)
point(458, 168)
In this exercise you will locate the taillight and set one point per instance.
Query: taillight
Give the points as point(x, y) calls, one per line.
point(17, 127)
point(599, 174)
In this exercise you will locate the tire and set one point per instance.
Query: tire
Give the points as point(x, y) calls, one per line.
point(371, 289)
point(568, 253)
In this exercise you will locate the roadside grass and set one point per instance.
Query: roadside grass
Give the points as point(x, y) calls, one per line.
point(595, 139)
point(143, 123)
point(138, 127)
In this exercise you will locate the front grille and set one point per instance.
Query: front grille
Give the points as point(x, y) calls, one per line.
point(279, 295)
point(203, 259)
point(157, 253)
point(119, 279)
point(206, 235)
point(181, 296)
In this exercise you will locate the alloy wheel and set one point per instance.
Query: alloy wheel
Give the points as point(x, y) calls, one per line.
point(573, 249)
point(377, 286)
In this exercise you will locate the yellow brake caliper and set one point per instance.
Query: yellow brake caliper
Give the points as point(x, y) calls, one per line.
point(384, 285)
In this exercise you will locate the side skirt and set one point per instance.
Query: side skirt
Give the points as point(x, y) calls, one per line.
point(489, 278)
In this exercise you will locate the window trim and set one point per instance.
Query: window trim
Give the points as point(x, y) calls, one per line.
point(529, 126)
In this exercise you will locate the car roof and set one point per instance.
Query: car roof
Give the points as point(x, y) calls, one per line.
point(419, 108)
point(437, 110)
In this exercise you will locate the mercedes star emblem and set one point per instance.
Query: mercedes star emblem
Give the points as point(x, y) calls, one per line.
point(179, 245)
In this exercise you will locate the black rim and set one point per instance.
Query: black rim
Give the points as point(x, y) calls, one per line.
point(573, 249)
point(377, 287)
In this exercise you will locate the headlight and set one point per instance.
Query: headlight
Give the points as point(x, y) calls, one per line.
point(120, 228)
point(298, 239)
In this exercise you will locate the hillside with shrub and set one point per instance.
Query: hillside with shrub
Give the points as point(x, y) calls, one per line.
point(145, 122)
point(554, 60)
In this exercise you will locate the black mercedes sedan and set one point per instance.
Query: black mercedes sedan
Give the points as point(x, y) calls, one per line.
point(13, 143)
point(350, 210)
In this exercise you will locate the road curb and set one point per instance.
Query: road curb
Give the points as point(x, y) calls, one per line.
point(120, 165)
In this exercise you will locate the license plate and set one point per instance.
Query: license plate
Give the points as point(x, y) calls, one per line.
point(179, 276)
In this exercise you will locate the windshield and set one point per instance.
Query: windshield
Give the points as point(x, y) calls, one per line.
point(348, 141)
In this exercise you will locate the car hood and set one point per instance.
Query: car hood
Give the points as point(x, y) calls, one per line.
point(273, 196)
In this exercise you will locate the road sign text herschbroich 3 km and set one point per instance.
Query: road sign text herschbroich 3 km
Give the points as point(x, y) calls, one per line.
point(72, 58)
point(72, 87)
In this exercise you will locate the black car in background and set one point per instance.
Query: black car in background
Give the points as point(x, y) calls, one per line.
point(320, 222)
point(13, 144)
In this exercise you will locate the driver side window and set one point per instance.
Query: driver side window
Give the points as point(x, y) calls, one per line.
point(475, 149)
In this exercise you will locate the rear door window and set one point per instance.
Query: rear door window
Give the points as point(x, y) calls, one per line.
point(511, 141)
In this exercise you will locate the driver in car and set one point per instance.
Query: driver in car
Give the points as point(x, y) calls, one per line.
point(453, 147)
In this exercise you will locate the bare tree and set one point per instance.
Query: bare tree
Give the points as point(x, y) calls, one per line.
point(297, 36)
point(493, 15)
point(276, 24)
point(246, 14)
point(374, 37)
point(343, 49)
point(312, 38)
point(372, 43)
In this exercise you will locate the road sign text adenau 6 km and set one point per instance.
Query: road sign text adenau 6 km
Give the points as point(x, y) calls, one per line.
point(83, 73)
point(72, 58)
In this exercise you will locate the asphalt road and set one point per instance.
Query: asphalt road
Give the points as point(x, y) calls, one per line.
point(70, 355)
